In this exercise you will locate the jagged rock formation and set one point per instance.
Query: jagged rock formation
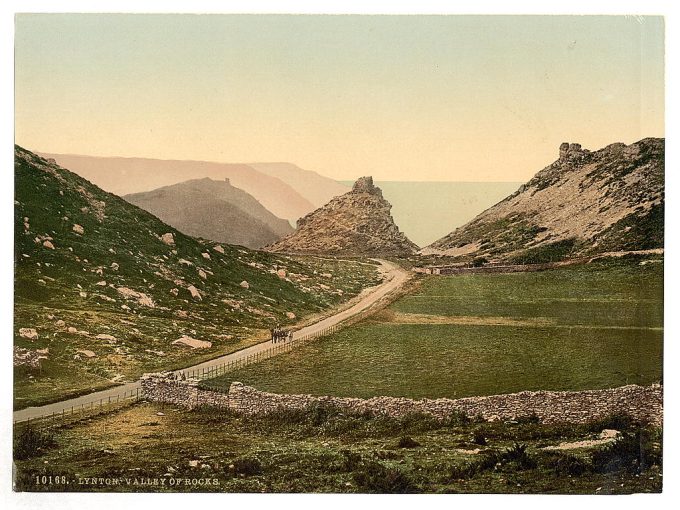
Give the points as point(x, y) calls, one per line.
point(583, 203)
point(213, 210)
point(356, 223)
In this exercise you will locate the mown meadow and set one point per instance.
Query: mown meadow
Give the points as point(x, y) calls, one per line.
point(582, 327)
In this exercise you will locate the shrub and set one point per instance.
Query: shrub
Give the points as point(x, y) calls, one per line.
point(517, 454)
point(529, 419)
point(247, 466)
point(407, 442)
point(567, 465)
point(634, 452)
point(616, 421)
point(31, 441)
point(479, 437)
point(479, 262)
point(551, 252)
point(374, 477)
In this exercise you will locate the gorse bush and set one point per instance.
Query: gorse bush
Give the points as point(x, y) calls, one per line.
point(30, 442)
point(375, 477)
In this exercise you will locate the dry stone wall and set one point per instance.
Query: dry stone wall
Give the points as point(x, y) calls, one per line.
point(643, 403)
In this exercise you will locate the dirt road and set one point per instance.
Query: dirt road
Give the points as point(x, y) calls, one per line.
point(394, 277)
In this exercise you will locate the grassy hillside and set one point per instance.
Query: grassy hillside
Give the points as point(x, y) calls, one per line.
point(96, 274)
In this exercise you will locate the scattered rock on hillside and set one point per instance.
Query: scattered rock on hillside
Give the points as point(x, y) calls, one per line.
point(192, 342)
point(206, 255)
point(29, 333)
point(168, 239)
point(174, 292)
point(78, 229)
point(245, 284)
point(87, 353)
point(141, 298)
point(290, 315)
point(218, 249)
point(202, 274)
point(195, 293)
point(48, 244)
point(104, 336)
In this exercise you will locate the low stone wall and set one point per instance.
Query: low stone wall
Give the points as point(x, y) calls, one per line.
point(168, 388)
point(643, 403)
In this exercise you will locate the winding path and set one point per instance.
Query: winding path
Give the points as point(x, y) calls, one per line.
point(394, 277)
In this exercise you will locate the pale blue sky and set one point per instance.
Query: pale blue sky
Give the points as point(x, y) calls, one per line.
point(399, 97)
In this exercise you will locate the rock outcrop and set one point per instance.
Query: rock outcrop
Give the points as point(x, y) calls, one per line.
point(356, 223)
point(582, 204)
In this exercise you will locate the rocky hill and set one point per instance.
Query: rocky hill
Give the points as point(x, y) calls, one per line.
point(356, 223)
point(105, 291)
point(123, 176)
point(586, 202)
point(213, 210)
point(312, 186)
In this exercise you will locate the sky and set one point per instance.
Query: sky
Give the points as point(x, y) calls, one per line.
point(421, 98)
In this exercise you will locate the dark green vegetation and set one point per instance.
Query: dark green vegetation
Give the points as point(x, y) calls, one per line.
point(87, 264)
point(582, 327)
point(324, 450)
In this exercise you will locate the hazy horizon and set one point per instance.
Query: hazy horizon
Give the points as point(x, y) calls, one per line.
point(421, 98)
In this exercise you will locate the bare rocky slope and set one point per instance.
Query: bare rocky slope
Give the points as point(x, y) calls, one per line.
point(356, 223)
point(213, 210)
point(583, 203)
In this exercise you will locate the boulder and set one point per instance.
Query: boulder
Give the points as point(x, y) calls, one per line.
point(29, 333)
point(71, 329)
point(192, 342)
point(174, 292)
point(168, 239)
point(206, 255)
point(104, 336)
point(281, 273)
point(87, 353)
point(218, 249)
point(245, 284)
point(195, 293)
point(202, 274)
point(290, 315)
point(48, 244)
point(78, 229)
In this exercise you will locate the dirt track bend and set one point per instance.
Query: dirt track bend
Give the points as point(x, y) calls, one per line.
point(394, 278)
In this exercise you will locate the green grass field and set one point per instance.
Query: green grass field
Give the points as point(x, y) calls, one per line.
point(592, 326)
